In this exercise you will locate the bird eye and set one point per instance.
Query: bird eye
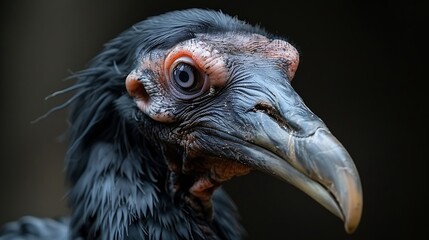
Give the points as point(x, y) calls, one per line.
point(185, 76)
point(187, 80)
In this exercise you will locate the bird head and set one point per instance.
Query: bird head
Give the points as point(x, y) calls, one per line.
point(205, 97)
point(218, 95)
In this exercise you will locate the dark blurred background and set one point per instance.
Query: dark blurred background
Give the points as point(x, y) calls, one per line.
point(360, 71)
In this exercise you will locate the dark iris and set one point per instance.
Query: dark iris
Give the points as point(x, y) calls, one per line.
point(185, 77)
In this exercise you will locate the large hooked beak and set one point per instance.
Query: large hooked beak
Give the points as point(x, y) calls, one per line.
point(285, 139)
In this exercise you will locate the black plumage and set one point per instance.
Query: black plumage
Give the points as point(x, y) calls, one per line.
point(133, 172)
point(124, 167)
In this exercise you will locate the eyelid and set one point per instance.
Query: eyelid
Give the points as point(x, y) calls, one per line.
point(179, 55)
point(184, 59)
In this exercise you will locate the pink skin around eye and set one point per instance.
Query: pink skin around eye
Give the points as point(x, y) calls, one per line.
point(199, 54)
point(203, 77)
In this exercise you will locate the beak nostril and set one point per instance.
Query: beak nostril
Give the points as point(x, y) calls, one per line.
point(274, 114)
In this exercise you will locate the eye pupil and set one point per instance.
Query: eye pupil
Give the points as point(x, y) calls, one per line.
point(183, 76)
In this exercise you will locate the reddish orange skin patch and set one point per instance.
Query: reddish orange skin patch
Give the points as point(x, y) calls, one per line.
point(258, 45)
point(158, 97)
point(282, 49)
point(135, 87)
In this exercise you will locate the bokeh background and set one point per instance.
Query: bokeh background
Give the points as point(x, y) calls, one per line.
point(362, 65)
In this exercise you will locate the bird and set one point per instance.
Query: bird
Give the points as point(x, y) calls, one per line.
point(172, 108)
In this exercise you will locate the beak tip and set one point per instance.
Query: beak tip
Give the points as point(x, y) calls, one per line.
point(353, 217)
point(350, 228)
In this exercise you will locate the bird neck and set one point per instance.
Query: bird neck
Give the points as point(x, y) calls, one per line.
point(122, 180)
point(196, 179)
